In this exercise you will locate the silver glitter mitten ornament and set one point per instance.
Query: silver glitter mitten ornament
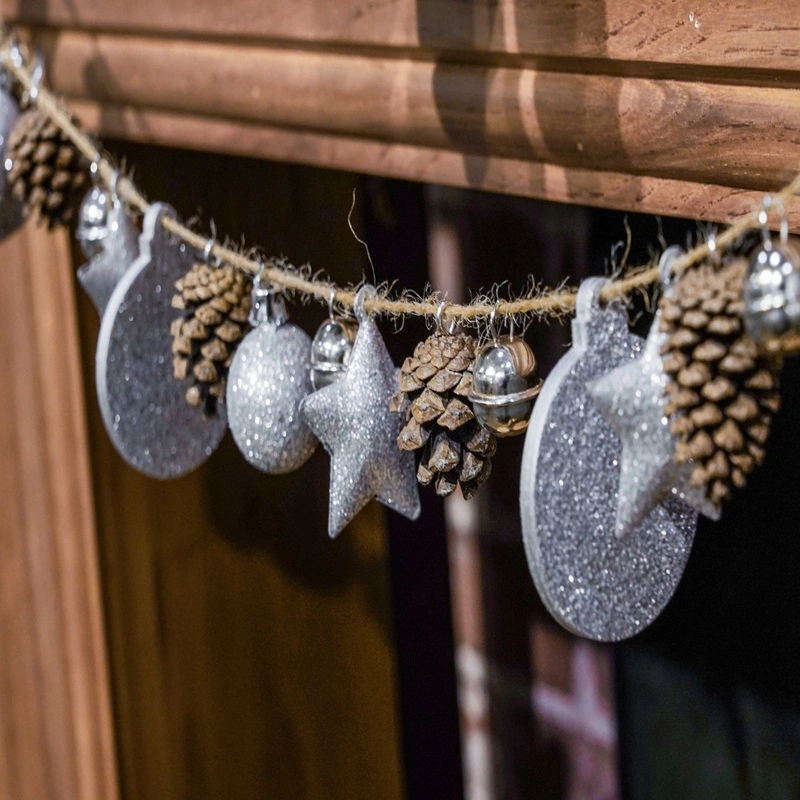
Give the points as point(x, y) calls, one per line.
point(351, 418)
point(633, 400)
point(594, 583)
point(11, 214)
point(110, 240)
point(268, 379)
point(143, 407)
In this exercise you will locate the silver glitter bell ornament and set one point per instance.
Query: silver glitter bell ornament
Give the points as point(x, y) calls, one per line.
point(92, 227)
point(772, 287)
point(267, 381)
point(331, 348)
point(504, 383)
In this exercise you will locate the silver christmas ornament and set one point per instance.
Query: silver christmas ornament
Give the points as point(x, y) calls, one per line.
point(594, 583)
point(772, 291)
point(143, 407)
point(331, 348)
point(504, 384)
point(11, 213)
point(351, 418)
point(111, 250)
point(632, 398)
point(267, 381)
point(92, 226)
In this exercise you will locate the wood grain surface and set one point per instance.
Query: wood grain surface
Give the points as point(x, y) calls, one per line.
point(56, 738)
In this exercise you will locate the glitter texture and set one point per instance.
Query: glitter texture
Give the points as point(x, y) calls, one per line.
point(632, 399)
point(143, 407)
point(595, 584)
point(268, 379)
point(100, 276)
point(11, 214)
point(352, 420)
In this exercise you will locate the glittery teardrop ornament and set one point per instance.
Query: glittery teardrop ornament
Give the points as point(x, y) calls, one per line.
point(115, 252)
point(143, 407)
point(594, 583)
point(268, 379)
point(11, 213)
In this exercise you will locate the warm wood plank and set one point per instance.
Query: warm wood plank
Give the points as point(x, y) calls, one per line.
point(55, 716)
point(758, 35)
point(735, 136)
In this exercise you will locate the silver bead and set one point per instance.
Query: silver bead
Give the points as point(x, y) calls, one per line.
point(92, 228)
point(504, 386)
point(330, 351)
point(772, 291)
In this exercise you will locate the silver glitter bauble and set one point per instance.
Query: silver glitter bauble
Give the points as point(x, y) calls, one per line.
point(117, 250)
point(351, 418)
point(330, 351)
point(143, 407)
point(594, 583)
point(633, 400)
point(772, 291)
point(92, 226)
point(11, 209)
point(267, 381)
point(504, 386)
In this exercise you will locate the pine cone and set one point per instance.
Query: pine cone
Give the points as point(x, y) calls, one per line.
point(434, 385)
point(216, 301)
point(47, 173)
point(722, 392)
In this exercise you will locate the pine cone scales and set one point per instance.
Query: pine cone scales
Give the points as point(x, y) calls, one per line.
point(217, 304)
point(722, 392)
point(454, 449)
point(48, 173)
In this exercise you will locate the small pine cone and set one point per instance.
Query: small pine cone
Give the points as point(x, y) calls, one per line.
point(722, 392)
point(453, 450)
point(215, 305)
point(48, 174)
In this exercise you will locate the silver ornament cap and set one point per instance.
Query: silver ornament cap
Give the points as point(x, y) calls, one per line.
point(504, 386)
point(92, 226)
point(772, 291)
point(331, 349)
point(267, 381)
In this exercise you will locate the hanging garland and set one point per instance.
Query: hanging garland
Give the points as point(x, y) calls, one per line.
point(629, 441)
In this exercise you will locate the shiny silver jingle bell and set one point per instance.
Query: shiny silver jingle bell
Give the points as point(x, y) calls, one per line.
point(330, 351)
point(772, 291)
point(504, 386)
point(92, 227)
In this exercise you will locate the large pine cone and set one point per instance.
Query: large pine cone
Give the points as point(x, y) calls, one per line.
point(434, 384)
point(216, 301)
point(722, 392)
point(48, 173)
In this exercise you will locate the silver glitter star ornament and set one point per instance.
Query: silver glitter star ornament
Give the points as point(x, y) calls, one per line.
point(113, 248)
point(268, 379)
point(143, 407)
point(594, 583)
point(632, 399)
point(352, 420)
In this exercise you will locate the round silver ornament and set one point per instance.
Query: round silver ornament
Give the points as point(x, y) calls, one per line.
point(331, 348)
point(143, 407)
point(504, 384)
point(267, 381)
point(772, 291)
point(594, 583)
point(92, 226)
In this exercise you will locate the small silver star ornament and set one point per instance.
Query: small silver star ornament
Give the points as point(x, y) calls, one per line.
point(351, 418)
point(632, 399)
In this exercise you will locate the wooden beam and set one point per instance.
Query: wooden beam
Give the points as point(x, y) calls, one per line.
point(56, 739)
point(759, 35)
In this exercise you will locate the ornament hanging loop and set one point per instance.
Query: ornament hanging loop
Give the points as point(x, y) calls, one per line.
point(331, 301)
point(440, 326)
point(366, 292)
point(763, 218)
point(268, 306)
point(668, 258)
point(493, 324)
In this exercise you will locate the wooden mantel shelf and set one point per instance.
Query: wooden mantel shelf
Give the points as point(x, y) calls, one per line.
point(659, 106)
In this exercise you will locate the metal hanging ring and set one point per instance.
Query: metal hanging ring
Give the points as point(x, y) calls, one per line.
point(440, 319)
point(207, 249)
point(763, 218)
point(331, 301)
point(492, 322)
